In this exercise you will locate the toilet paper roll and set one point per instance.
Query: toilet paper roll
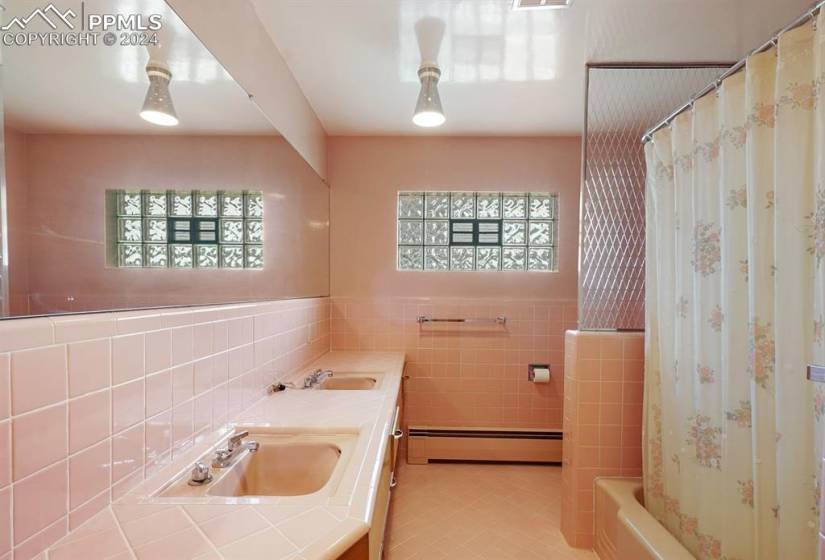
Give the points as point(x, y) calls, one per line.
point(541, 375)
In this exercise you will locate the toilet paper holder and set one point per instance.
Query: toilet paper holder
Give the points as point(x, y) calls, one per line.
point(531, 370)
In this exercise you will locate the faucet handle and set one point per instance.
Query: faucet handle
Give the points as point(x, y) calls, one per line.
point(311, 379)
point(236, 439)
point(200, 475)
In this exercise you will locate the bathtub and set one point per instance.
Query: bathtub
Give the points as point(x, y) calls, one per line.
point(624, 528)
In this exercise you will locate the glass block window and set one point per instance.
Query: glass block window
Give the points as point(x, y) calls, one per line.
point(483, 231)
point(189, 229)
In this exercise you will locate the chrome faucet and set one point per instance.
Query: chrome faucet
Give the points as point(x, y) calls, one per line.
point(316, 377)
point(200, 475)
point(234, 447)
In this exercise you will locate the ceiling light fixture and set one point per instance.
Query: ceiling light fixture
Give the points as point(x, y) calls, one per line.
point(158, 107)
point(428, 111)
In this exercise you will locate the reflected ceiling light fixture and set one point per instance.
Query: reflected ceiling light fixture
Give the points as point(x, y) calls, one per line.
point(541, 4)
point(428, 111)
point(158, 107)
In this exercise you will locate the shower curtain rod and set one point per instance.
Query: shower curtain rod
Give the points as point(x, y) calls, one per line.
point(810, 14)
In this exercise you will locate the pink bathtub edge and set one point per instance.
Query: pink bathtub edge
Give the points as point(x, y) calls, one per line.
point(625, 530)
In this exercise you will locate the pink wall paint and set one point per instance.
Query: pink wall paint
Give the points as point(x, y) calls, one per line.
point(90, 405)
point(67, 179)
point(17, 212)
point(366, 173)
point(603, 389)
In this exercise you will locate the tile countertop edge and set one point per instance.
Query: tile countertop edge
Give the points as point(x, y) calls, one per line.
point(337, 542)
point(334, 540)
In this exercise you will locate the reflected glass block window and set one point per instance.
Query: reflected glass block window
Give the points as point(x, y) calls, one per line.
point(154, 204)
point(232, 231)
point(129, 204)
point(232, 204)
point(254, 256)
point(155, 229)
point(130, 254)
point(254, 205)
point(483, 231)
point(180, 203)
point(187, 229)
point(182, 256)
point(206, 256)
point(156, 255)
point(232, 256)
point(207, 204)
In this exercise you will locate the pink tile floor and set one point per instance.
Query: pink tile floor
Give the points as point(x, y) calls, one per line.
point(464, 511)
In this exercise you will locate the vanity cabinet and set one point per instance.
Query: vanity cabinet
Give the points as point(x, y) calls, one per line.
point(387, 482)
point(371, 546)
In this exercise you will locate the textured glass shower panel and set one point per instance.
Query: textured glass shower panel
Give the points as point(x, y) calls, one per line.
point(189, 229)
point(622, 103)
point(484, 231)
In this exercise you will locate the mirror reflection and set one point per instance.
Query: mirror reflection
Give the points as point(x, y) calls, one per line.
point(140, 174)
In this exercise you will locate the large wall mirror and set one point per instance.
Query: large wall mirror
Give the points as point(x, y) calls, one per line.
point(106, 210)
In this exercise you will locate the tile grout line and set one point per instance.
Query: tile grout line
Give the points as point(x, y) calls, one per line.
point(201, 532)
point(40, 532)
point(122, 534)
point(277, 530)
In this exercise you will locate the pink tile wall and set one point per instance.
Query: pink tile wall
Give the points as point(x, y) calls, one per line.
point(90, 405)
point(458, 375)
point(603, 388)
point(466, 375)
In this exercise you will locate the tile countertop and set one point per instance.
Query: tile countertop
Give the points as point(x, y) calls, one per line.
point(140, 526)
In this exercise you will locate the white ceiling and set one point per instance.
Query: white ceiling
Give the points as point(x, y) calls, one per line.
point(504, 72)
point(101, 88)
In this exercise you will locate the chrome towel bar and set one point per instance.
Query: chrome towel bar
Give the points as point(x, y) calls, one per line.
point(501, 320)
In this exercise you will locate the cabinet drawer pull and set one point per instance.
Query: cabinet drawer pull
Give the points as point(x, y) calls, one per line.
point(393, 482)
point(398, 434)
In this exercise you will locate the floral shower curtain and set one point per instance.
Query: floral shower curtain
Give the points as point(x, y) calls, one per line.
point(736, 310)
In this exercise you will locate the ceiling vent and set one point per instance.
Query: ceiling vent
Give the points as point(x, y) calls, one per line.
point(541, 4)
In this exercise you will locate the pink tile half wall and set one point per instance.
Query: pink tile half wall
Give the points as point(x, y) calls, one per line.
point(603, 387)
point(90, 405)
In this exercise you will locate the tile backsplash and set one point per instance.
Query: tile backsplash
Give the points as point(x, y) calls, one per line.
point(90, 405)
point(472, 374)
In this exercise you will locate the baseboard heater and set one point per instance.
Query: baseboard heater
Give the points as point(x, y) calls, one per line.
point(427, 443)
